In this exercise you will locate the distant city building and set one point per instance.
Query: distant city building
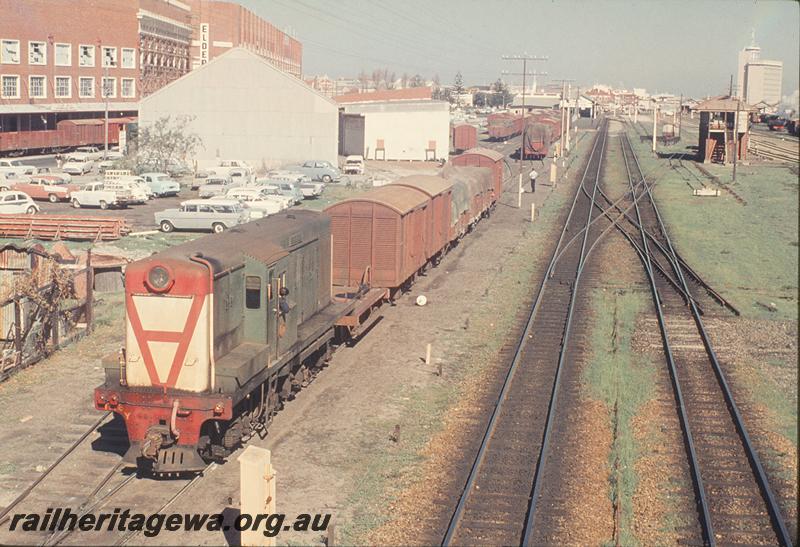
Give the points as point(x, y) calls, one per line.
point(763, 81)
point(758, 80)
point(220, 26)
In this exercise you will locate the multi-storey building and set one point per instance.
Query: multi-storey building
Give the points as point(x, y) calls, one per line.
point(65, 59)
point(220, 26)
point(763, 81)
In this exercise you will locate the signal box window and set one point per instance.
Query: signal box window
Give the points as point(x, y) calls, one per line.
point(252, 292)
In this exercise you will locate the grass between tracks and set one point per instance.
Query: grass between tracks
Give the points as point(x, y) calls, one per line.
point(623, 380)
point(749, 253)
point(385, 476)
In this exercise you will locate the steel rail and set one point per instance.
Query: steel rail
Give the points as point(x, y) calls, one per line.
point(776, 517)
point(530, 519)
point(455, 519)
point(705, 517)
point(24, 494)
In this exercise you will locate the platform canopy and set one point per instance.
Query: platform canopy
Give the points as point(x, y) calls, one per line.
point(723, 103)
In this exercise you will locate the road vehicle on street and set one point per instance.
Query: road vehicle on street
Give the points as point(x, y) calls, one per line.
point(13, 202)
point(203, 214)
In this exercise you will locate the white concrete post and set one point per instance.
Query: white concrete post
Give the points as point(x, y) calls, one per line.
point(533, 212)
point(519, 191)
point(428, 354)
point(257, 491)
point(655, 126)
point(553, 172)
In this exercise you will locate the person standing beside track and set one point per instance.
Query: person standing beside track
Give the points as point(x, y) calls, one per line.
point(533, 174)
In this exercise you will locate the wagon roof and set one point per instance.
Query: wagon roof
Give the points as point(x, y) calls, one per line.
point(429, 184)
point(401, 199)
point(491, 154)
point(265, 240)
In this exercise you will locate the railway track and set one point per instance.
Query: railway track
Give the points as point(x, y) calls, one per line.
point(735, 503)
point(495, 505)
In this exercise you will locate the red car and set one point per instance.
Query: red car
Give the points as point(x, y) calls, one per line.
point(51, 188)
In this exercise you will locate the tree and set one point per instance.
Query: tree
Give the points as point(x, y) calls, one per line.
point(458, 84)
point(416, 81)
point(363, 78)
point(166, 141)
point(390, 80)
point(502, 96)
point(404, 79)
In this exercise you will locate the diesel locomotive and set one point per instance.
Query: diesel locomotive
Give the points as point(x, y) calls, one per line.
point(222, 330)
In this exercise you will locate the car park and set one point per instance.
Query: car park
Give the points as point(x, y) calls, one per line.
point(53, 189)
point(309, 188)
point(95, 194)
point(318, 170)
point(203, 214)
point(285, 187)
point(275, 194)
point(161, 184)
point(215, 186)
point(354, 165)
point(77, 166)
point(130, 185)
point(13, 202)
point(17, 166)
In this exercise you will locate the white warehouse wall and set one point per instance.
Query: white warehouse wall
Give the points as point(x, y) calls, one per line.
point(405, 127)
point(244, 108)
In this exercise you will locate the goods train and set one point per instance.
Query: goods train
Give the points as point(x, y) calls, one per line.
point(220, 331)
point(68, 134)
point(503, 126)
point(542, 130)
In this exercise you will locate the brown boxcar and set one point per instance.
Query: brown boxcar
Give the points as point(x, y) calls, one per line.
point(484, 157)
point(383, 231)
point(440, 191)
point(463, 136)
point(479, 196)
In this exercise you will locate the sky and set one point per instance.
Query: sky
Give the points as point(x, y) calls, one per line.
point(678, 46)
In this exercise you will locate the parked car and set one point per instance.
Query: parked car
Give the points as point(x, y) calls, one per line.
point(256, 200)
point(161, 184)
point(200, 214)
point(9, 179)
point(215, 186)
point(318, 170)
point(87, 152)
point(18, 166)
point(285, 187)
point(17, 203)
point(47, 171)
point(77, 166)
point(354, 165)
point(52, 189)
point(239, 175)
point(309, 188)
point(130, 185)
point(200, 179)
point(95, 194)
point(275, 194)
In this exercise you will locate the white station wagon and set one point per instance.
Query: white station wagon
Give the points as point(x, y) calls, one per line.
point(202, 214)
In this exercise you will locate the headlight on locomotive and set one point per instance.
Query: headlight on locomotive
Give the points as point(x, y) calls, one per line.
point(159, 279)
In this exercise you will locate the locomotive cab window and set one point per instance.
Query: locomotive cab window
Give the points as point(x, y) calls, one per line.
point(252, 292)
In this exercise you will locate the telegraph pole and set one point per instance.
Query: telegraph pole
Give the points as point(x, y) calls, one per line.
point(562, 141)
point(524, 58)
point(655, 124)
point(105, 96)
point(680, 117)
point(736, 137)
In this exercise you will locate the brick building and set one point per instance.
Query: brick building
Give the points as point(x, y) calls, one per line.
point(220, 26)
point(57, 57)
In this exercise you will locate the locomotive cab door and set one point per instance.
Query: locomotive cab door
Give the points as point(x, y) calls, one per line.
point(285, 311)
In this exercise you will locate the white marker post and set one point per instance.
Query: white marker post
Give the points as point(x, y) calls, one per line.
point(257, 492)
